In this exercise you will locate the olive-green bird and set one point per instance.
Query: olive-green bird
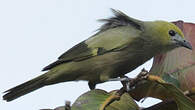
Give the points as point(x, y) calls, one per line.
point(121, 45)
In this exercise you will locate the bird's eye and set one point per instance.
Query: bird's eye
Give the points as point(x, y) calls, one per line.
point(172, 33)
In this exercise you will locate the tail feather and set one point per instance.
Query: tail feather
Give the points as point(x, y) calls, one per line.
point(25, 88)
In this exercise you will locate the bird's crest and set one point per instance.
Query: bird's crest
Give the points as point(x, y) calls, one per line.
point(119, 19)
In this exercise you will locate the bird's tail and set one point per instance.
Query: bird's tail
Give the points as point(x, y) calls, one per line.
point(25, 88)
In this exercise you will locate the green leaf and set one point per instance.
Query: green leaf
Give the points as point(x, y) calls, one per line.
point(93, 99)
point(183, 102)
point(164, 91)
point(149, 89)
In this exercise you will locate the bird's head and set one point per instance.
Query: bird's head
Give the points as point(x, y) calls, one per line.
point(168, 34)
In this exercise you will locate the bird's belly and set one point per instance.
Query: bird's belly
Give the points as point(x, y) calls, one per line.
point(113, 64)
point(128, 64)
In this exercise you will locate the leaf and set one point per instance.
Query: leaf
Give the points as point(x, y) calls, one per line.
point(149, 89)
point(93, 99)
point(171, 92)
point(183, 102)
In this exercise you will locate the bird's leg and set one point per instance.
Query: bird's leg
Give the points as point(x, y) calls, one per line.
point(130, 83)
point(126, 82)
point(67, 105)
point(125, 78)
point(91, 85)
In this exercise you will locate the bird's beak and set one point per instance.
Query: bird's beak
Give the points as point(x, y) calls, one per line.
point(185, 44)
point(181, 42)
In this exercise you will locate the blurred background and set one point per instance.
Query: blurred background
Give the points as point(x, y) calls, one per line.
point(33, 33)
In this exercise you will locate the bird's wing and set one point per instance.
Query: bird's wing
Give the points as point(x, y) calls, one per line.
point(111, 38)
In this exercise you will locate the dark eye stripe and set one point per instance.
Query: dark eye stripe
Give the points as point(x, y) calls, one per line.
point(172, 33)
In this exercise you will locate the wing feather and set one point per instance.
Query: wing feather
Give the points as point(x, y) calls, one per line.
point(116, 34)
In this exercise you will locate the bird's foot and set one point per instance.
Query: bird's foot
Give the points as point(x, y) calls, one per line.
point(124, 80)
point(114, 96)
point(91, 85)
point(120, 79)
point(130, 83)
point(144, 74)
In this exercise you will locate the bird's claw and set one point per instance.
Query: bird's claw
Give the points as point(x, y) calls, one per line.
point(120, 79)
point(128, 86)
point(129, 83)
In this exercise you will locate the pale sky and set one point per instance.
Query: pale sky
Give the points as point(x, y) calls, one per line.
point(35, 32)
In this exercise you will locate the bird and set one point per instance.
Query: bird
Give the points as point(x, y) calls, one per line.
point(121, 45)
